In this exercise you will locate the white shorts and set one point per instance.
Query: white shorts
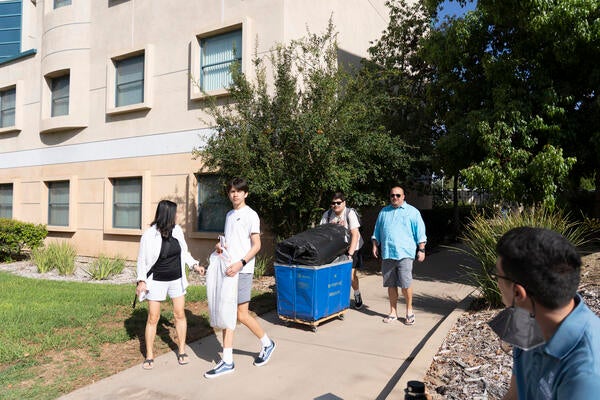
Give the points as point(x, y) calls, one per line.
point(159, 290)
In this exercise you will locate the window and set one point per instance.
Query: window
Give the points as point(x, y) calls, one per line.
point(61, 3)
point(58, 203)
point(60, 95)
point(10, 29)
point(127, 203)
point(7, 107)
point(212, 204)
point(217, 54)
point(6, 200)
point(129, 83)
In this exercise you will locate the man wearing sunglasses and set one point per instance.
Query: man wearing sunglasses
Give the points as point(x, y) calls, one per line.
point(400, 232)
point(555, 336)
point(348, 218)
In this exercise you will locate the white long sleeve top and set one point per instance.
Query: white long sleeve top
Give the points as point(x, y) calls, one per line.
point(150, 244)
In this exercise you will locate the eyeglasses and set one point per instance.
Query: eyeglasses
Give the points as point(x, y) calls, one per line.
point(495, 276)
point(396, 195)
point(336, 203)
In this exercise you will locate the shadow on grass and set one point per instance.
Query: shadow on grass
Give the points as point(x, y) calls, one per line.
point(135, 325)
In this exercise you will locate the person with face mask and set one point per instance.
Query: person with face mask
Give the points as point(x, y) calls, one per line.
point(555, 336)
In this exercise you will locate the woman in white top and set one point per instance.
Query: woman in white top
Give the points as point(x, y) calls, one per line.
point(160, 272)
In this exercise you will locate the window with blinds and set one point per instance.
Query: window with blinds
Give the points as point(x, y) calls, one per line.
point(217, 54)
point(127, 203)
point(58, 203)
point(7, 107)
point(6, 200)
point(60, 95)
point(61, 3)
point(129, 82)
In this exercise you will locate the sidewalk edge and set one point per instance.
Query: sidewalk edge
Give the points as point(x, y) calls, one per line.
point(422, 361)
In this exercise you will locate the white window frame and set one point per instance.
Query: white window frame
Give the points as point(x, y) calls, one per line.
point(18, 87)
point(111, 84)
point(11, 187)
point(54, 98)
point(109, 200)
point(73, 199)
point(245, 25)
point(50, 184)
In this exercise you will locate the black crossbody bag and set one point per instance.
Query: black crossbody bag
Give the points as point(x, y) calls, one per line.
point(163, 251)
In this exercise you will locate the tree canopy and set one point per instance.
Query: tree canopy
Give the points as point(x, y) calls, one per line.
point(510, 91)
point(299, 136)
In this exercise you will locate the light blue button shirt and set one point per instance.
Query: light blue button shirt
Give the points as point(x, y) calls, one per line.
point(399, 230)
point(568, 365)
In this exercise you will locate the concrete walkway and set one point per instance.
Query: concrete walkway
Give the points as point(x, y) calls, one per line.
point(358, 357)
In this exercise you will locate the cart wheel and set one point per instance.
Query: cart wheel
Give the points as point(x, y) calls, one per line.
point(314, 328)
point(341, 316)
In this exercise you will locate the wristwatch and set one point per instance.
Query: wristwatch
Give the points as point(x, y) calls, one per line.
point(421, 251)
point(243, 262)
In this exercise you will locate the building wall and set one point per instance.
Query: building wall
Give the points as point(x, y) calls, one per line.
point(98, 141)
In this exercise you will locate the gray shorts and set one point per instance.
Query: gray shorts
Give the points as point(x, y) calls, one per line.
point(244, 288)
point(397, 273)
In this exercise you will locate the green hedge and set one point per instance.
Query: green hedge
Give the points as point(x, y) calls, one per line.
point(15, 236)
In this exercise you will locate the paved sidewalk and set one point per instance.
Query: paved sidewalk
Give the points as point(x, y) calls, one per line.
point(358, 357)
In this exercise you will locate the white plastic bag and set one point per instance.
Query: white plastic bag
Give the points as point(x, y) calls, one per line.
point(221, 291)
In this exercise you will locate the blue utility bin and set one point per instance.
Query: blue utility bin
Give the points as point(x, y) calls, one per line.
point(312, 294)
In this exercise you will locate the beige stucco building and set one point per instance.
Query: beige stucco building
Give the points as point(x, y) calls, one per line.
point(99, 116)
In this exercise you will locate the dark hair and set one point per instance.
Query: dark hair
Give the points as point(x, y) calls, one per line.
point(545, 263)
point(237, 184)
point(164, 218)
point(338, 195)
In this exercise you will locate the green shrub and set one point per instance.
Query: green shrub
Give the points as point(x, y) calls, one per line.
point(40, 257)
point(104, 267)
point(263, 265)
point(482, 233)
point(15, 236)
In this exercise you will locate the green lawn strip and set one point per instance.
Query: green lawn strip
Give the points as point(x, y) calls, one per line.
point(42, 316)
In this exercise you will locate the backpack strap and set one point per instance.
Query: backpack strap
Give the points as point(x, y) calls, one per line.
point(329, 212)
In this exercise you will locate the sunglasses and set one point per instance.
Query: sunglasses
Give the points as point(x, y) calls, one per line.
point(336, 203)
point(395, 195)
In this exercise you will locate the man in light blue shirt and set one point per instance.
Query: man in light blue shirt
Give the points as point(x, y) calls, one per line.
point(400, 232)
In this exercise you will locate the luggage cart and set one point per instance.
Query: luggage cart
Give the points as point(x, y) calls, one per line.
point(311, 295)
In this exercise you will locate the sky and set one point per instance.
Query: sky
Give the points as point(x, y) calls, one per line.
point(453, 8)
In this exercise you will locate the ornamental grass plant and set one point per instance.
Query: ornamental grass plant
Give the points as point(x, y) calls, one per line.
point(484, 229)
point(105, 267)
point(59, 255)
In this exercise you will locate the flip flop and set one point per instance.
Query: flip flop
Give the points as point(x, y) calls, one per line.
point(410, 319)
point(182, 358)
point(389, 319)
point(148, 363)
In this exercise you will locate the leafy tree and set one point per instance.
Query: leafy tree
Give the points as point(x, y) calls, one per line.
point(506, 96)
point(312, 131)
point(520, 80)
point(398, 77)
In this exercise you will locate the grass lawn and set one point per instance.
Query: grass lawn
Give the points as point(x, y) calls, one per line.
point(58, 336)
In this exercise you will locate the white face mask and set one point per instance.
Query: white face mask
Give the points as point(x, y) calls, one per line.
point(517, 327)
